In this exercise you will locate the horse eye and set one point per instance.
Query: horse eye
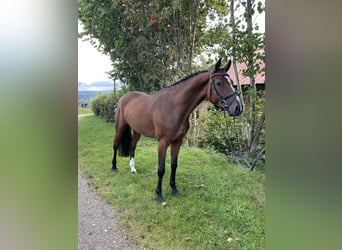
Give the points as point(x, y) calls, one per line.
point(219, 83)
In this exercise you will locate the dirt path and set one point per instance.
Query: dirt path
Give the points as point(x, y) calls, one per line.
point(83, 115)
point(97, 225)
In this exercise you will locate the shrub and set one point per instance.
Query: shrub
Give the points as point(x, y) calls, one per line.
point(98, 104)
point(104, 105)
point(111, 106)
point(213, 131)
point(213, 134)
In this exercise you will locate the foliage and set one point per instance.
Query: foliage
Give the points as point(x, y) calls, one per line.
point(149, 42)
point(154, 42)
point(244, 42)
point(219, 205)
point(213, 131)
point(246, 45)
point(103, 105)
point(213, 134)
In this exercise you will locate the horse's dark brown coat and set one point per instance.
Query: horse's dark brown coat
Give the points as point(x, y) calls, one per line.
point(165, 116)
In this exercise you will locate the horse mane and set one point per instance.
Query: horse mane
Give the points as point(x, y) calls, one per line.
point(185, 79)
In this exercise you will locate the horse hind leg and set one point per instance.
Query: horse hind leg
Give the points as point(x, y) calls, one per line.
point(121, 139)
point(135, 139)
point(116, 144)
point(117, 137)
point(115, 149)
point(122, 142)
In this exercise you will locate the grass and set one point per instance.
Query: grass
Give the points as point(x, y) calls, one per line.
point(82, 111)
point(219, 205)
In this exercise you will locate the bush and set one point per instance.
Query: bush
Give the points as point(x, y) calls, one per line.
point(111, 106)
point(98, 103)
point(213, 131)
point(104, 105)
point(213, 134)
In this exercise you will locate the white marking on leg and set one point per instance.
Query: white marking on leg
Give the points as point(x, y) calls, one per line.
point(131, 164)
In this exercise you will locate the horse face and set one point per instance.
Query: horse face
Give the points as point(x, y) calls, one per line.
point(225, 96)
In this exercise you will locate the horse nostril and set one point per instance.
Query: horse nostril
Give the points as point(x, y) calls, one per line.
point(237, 110)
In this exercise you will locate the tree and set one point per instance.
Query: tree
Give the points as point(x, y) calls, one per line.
point(130, 33)
point(241, 40)
point(149, 42)
point(152, 43)
point(246, 45)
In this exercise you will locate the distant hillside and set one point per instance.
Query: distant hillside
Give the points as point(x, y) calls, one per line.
point(85, 96)
point(96, 86)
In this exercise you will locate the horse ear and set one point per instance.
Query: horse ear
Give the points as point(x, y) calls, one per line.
point(226, 68)
point(218, 64)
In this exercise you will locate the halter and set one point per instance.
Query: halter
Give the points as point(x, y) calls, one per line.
point(223, 99)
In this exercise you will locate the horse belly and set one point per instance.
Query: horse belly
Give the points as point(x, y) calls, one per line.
point(144, 128)
point(140, 120)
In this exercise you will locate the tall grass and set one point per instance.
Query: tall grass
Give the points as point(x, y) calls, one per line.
point(219, 205)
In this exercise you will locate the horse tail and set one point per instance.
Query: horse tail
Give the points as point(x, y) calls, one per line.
point(125, 142)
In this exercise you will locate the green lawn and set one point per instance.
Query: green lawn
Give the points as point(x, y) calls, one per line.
point(82, 111)
point(219, 206)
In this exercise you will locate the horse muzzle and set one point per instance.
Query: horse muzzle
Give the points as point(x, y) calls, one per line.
point(234, 107)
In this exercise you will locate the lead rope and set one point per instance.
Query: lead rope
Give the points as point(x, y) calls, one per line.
point(238, 153)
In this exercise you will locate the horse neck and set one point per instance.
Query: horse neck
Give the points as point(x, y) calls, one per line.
point(192, 92)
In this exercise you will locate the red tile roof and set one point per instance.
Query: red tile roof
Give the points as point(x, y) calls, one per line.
point(244, 80)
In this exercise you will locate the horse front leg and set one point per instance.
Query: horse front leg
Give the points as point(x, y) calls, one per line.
point(174, 162)
point(162, 146)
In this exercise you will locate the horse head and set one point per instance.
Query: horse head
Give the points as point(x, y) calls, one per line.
point(221, 91)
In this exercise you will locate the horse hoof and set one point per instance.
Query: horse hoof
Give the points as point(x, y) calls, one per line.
point(114, 170)
point(160, 199)
point(175, 193)
point(134, 171)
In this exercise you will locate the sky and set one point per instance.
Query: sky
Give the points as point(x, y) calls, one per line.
point(93, 65)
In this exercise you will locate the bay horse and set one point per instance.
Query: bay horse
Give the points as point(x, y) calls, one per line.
point(165, 116)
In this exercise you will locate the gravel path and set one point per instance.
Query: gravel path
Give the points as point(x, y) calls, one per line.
point(97, 225)
point(83, 115)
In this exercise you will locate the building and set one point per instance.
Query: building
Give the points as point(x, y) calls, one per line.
point(244, 80)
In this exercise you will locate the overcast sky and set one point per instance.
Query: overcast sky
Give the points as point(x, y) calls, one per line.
point(92, 65)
